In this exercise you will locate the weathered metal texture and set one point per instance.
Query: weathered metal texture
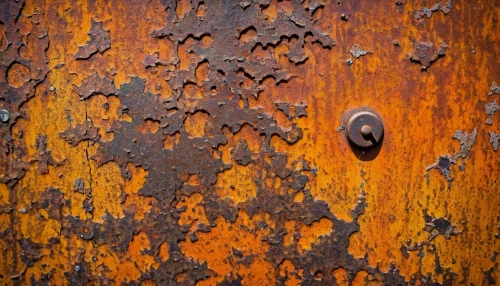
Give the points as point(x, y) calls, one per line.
point(182, 142)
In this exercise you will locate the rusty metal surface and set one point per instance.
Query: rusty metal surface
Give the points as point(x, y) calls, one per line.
point(198, 142)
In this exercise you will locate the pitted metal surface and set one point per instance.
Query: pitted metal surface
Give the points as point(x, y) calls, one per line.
point(193, 142)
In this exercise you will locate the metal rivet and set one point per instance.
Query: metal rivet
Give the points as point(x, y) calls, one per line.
point(364, 129)
point(4, 115)
point(22, 210)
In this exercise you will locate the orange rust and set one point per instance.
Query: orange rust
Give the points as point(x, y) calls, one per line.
point(195, 124)
point(421, 110)
point(308, 234)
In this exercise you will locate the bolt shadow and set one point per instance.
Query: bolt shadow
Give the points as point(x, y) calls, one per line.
point(367, 154)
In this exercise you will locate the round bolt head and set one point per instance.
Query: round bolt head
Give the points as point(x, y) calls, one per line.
point(364, 129)
point(4, 115)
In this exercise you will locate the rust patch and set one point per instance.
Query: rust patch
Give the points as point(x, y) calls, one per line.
point(173, 130)
point(494, 89)
point(99, 41)
point(81, 132)
point(435, 227)
point(489, 280)
point(491, 108)
point(94, 84)
point(439, 226)
point(426, 53)
point(443, 6)
point(44, 158)
point(356, 51)
point(494, 140)
point(242, 155)
point(444, 162)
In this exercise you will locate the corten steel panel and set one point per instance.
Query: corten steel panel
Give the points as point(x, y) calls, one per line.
point(202, 142)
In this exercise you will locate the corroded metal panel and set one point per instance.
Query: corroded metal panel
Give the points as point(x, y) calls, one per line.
point(184, 142)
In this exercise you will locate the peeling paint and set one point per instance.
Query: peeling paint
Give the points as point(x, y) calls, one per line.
point(444, 162)
point(426, 53)
point(494, 140)
point(99, 42)
point(193, 142)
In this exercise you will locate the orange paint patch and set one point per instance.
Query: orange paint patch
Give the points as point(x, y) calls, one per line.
point(106, 190)
point(287, 269)
point(137, 250)
point(39, 227)
point(308, 234)
point(171, 140)
point(360, 278)
point(194, 213)
point(17, 75)
point(195, 124)
point(149, 126)
point(237, 183)
point(248, 34)
point(138, 177)
point(202, 72)
point(4, 194)
point(341, 276)
point(163, 252)
point(216, 246)
point(183, 7)
point(140, 205)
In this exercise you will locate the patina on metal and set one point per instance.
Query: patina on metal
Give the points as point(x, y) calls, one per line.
point(191, 142)
point(364, 129)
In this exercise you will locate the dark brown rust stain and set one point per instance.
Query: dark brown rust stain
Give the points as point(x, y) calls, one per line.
point(13, 97)
point(242, 155)
point(44, 158)
point(99, 42)
point(443, 6)
point(488, 279)
point(81, 132)
point(439, 226)
point(95, 84)
point(426, 53)
point(444, 162)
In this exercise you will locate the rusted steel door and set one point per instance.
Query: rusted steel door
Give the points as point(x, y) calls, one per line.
point(220, 142)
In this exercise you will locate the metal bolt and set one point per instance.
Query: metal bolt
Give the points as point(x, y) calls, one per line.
point(4, 115)
point(22, 210)
point(366, 130)
point(77, 268)
point(52, 88)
